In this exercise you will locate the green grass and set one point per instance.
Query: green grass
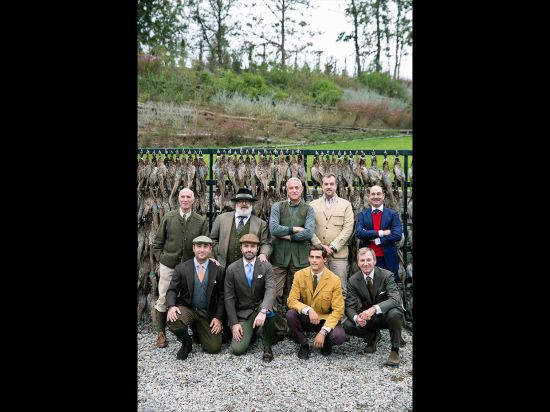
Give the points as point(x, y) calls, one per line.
point(389, 143)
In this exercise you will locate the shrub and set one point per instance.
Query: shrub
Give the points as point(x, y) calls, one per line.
point(326, 92)
point(384, 84)
point(148, 64)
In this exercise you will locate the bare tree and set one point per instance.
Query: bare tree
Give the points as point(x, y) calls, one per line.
point(403, 32)
point(356, 10)
point(288, 27)
point(212, 18)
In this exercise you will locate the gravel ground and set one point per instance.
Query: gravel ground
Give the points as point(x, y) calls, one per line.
point(347, 380)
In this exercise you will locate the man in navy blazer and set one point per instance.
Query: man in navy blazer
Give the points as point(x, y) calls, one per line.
point(380, 229)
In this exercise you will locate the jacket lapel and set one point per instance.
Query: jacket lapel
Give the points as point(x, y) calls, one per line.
point(254, 228)
point(322, 282)
point(384, 221)
point(255, 275)
point(368, 217)
point(190, 277)
point(377, 283)
point(211, 280)
point(225, 233)
point(363, 287)
point(327, 212)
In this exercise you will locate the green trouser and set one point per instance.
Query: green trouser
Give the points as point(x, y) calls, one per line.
point(201, 327)
point(239, 348)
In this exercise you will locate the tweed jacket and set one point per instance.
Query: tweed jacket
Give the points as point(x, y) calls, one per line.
point(172, 243)
point(390, 220)
point(221, 231)
point(327, 300)
point(180, 291)
point(241, 299)
point(385, 291)
point(333, 226)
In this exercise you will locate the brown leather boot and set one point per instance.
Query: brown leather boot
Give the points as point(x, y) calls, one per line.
point(393, 359)
point(161, 340)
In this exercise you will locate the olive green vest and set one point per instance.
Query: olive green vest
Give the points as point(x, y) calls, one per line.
point(284, 250)
point(234, 247)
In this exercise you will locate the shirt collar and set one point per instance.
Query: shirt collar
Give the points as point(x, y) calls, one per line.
point(246, 217)
point(204, 265)
point(317, 274)
point(253, 262)
point(370, 275)
point(332, 199)
point(381, 208)
point(297, 204)
point(184, 216)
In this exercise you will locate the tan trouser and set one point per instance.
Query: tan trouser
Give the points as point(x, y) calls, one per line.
point(165, 276)
point(340, 268)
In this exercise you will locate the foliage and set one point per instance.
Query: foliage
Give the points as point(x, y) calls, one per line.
point(160, 28)
point(326, 92)
point(384, 84)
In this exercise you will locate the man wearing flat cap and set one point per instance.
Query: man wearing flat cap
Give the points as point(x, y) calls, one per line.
point(229, 227)
point(173, 245)
point(249, 293)
point(195, 299)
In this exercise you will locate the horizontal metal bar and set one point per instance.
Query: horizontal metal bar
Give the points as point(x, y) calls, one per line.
point(243, 150)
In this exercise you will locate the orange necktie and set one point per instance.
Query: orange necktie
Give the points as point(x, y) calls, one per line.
point(201, 273)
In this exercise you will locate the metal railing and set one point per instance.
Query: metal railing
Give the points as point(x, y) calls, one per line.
point(305, 153)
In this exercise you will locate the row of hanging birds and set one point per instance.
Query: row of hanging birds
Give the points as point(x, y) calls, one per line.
point(161, 176)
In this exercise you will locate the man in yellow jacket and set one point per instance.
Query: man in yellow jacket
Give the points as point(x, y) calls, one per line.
point(316, 304)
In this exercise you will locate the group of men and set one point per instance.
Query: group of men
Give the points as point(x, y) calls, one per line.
point(285, 277)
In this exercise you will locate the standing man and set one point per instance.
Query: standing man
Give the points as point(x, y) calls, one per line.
point(249, 294)
point(373, 303)
point(379, 228)
point(229, 227)
point(316, 304)
point(333, 228)
point(292, 224)
point(195, 298)
point(174, 244)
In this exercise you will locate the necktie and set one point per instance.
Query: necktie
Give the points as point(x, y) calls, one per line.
point(369, 287)
point(375, 211)
point(201, 273)
point(241, 223)
point(314, 282)
point(249, 274)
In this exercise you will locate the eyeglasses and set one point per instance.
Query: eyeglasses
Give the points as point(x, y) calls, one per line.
point(243, 201)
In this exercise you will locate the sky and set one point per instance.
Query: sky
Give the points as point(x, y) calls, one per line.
point(329, 17)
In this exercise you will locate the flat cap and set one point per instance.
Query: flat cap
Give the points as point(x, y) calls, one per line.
point(202, 239)
point(249, 238)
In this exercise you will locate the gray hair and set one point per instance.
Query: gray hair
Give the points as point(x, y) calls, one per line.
point(293, 178)
point(365, 250)
point(185, 189)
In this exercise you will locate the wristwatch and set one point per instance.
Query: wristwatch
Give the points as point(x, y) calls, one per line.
point(264, 311)
point(333, 248)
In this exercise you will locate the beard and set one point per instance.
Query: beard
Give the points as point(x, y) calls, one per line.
point(242, 212)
